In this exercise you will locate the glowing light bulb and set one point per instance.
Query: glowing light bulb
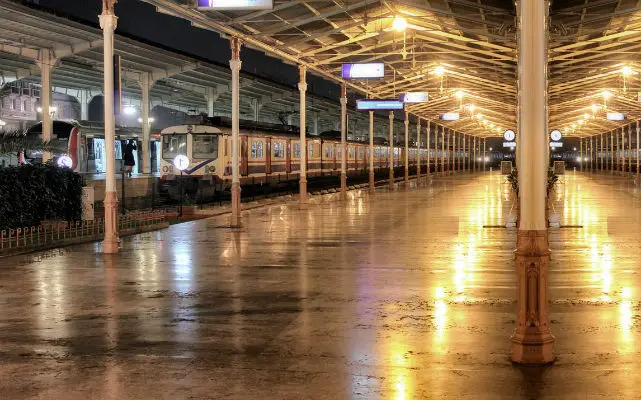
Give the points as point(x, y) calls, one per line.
point(586, 116)
point(479, 116)
point(471, 108)
point(460, 94)
point(627, 70)
point(595, 108)
point(399, 24)
point(440, 70)
point(606, 95)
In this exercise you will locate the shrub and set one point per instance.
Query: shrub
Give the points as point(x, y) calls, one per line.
point(32, 193)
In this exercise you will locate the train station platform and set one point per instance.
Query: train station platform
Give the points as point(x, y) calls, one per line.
point(408, 294)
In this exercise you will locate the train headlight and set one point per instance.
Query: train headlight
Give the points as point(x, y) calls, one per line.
point(212, 169)
point(165, 169)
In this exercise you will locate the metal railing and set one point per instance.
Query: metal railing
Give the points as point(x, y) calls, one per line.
point(61, 233)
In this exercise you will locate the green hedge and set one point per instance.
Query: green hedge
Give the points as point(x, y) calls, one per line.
point(32, 193)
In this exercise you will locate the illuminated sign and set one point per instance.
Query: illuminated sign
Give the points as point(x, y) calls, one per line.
point(414, 97)
point(370, 104)
point(364, 70)
point(509, 135)
point(615, 116)
point(509, 144)
point(556, 144)
point(450, 116)
point(181, 162)
point(235, 4)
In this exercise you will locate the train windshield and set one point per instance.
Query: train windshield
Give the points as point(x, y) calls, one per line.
point(174, 145)
point(205, 146)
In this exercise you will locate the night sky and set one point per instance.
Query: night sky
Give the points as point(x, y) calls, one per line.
point(140, 20)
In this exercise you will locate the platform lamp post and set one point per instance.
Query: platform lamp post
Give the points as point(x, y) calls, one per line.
point(108, 22)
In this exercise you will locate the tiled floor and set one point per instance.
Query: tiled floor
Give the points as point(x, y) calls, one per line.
point(404, 295)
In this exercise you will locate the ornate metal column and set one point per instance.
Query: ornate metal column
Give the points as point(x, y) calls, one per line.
point(484, 155)
point(235, 65)
point(108, 22)
point(391, 151)
point(46, 61)
point(343, 193)
point(630, 148)
point(406, 162)
point(418, 149)
point(532, 341)
point(429, 157)
point(302, 177)
point(145, 86)
point(443, 151)
point(372, 188)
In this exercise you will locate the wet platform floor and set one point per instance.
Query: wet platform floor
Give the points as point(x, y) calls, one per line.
point(409, 294)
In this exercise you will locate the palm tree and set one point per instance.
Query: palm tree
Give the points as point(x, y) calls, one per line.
point(15, 142)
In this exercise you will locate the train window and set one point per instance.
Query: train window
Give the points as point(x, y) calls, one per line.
point(173, 145)
point(279, 149)
point(297, 150)
point(328, 151)
point(257, 150)
point(204, 146)
point(311, 150)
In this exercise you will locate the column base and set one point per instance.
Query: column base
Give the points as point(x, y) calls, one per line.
point(532, 342)
point(236, 211)
point(111, 243)
point(372, 188)
point(303, 200)
point(343, 193)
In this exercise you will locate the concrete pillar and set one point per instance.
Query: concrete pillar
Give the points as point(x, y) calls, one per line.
point(532, 341)
point(108, 22)
point(46, 61)
point(145, 86)
point(372, 188)
point(391, 150)
point(235, 64)
point(302, 176)
point(418, 149)
point(211, 98)
point(84, 99)
point(343, 193)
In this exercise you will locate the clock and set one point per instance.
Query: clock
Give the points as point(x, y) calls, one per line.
point(555, 135)
point(509, 135)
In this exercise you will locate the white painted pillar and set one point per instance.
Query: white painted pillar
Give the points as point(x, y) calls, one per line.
point(343, 142)
point(484, 154)
point(591, 154)
point(302, 89)
point(465, 159)
point(372, 188)
point(406, 181)
point(637, 155)
point(108, 22)
point(145, 86)
point(602, 152)
point(235, 64)
point(580, 154)
point(418, 149)
point(391, 151)
point(474, 154)
point(429, 157)
point(532, 341)
point(453, 135)
point(84, 99)
point(630, 148)
point(443, 151)
point(46, 61)
point(211, 98)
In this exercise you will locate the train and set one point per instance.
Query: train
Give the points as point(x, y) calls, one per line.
point(84, 142)
point(269, 154)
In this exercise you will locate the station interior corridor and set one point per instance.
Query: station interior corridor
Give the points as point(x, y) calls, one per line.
point(407, 294)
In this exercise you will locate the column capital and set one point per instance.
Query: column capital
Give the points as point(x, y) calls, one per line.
point(235, 64)
point(235, 43)
point(302, 72)
point(108, 7)
point(108, 22)
point(302, 87)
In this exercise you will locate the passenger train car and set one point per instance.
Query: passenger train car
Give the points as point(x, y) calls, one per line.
point(269, 153)
point(85, 144)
